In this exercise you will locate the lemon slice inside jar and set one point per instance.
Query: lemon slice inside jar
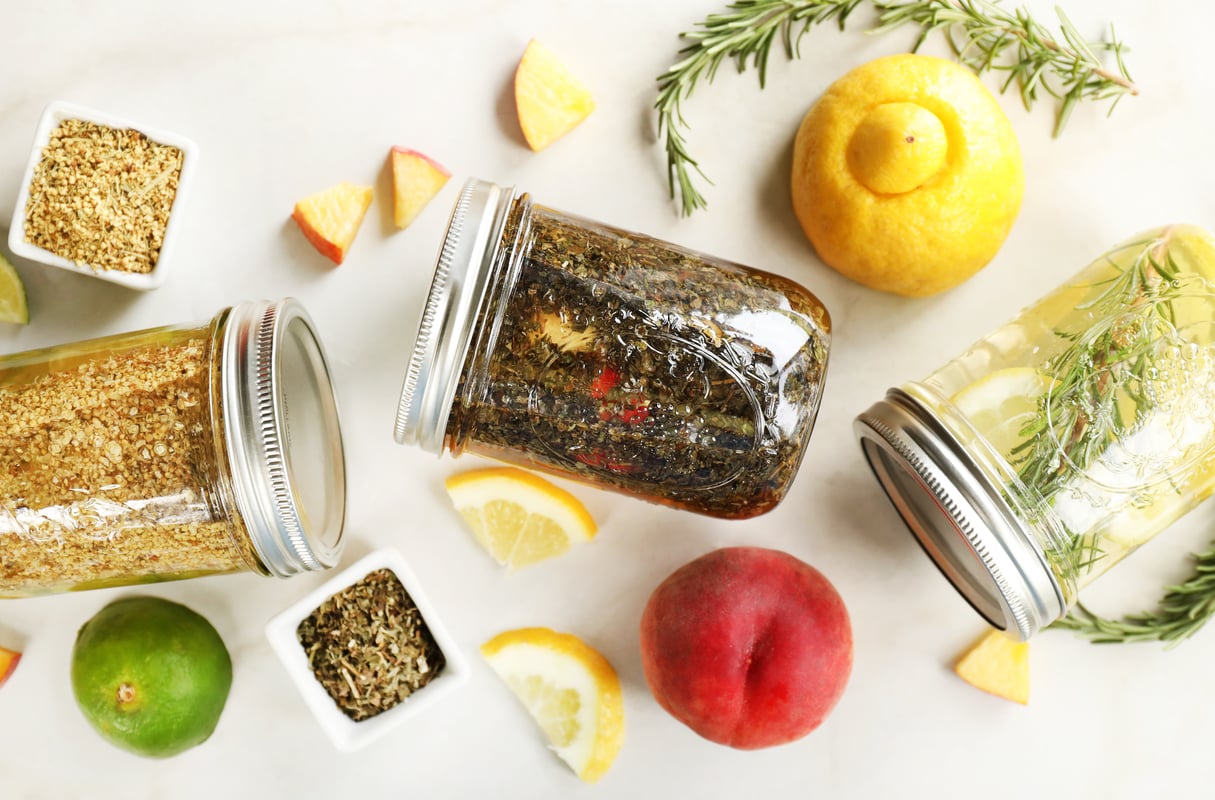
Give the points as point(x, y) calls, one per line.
point(1000, 404)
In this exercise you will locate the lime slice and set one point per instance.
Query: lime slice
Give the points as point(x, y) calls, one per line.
point(1001, 403)
point(13, 307)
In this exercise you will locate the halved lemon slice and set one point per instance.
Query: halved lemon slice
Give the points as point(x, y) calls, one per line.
point(1001, 403)
point(519, 518)
point(999, 665)
point(13, 307)
point(570, 690)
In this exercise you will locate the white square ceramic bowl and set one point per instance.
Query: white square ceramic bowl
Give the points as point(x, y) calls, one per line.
point(56, 113)
point(345, 733)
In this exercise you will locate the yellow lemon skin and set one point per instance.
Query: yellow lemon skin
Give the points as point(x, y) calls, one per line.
point(907, 175)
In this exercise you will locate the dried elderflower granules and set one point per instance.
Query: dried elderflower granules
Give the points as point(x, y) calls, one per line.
point(100, 197)
point(107, 471)
point(369, 647)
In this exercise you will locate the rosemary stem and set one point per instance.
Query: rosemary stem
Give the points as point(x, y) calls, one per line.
point(1051, 44)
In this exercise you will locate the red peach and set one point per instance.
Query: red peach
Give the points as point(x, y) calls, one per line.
point(748, 647)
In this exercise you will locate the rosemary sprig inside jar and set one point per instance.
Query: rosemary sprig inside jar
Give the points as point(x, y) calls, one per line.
point(1120, 375)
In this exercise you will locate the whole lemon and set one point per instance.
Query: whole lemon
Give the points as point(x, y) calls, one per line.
point(150, 675)
point(907, 175)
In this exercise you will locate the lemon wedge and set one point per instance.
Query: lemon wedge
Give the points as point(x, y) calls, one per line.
point(570, 690)
point(998, 665)
point(13, 306)
point(519, 518)
point(1001, 403)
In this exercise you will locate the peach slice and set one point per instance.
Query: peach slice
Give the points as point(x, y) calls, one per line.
point(330, 219)
point(416, 179)
point(999, 665)
point(8, 663)
point(551, 102)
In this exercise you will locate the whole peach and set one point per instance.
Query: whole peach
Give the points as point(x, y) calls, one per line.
point(749, 647)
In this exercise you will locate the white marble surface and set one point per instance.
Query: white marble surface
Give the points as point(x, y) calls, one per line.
point(285, 98)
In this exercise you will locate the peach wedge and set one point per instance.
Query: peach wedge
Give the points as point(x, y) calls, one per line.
point(999, 665)
point(550, 101)
point(8, 663)
point(330, 219)
point(416, 179)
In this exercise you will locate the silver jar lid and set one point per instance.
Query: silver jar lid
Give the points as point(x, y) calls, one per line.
point(283, 437)
point(959, 516)
point(457, 293)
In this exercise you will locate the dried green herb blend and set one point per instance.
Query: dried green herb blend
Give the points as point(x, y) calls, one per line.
point(369, 646)
point(630, 362)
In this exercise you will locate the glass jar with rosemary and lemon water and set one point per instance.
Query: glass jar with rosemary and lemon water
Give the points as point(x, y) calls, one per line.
point(1041, 456)
point(169, 453)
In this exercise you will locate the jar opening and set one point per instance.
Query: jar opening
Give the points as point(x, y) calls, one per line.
point(924, 514)
point(283, 437)
point(312, 445)
point(961, 519)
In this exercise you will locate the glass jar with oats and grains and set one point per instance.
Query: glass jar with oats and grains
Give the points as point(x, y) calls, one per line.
point(562, 344)
point(170, 453)
point(1040, 457)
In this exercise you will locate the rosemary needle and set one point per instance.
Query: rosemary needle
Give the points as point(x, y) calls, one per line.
point(745, 32)
point(982, 34)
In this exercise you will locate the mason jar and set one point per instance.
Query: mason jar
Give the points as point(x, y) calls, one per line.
point(170, 453)
point(565, 345)
point(1040, 457)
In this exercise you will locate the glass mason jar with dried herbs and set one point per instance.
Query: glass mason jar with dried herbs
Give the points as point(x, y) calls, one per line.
point(1040, 457)
point(170, 453)
point(562, 344)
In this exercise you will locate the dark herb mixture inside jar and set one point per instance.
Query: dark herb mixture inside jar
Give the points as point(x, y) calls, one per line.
point(631, 362)
point(369, 646)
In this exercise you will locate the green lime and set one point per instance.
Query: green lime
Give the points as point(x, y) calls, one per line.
point(13, 307)
point(151, 675)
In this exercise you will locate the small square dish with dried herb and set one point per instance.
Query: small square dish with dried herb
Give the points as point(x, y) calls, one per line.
point(366, 650)
point(102, 196)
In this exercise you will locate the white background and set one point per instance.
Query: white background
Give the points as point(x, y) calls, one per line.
point(287, 98)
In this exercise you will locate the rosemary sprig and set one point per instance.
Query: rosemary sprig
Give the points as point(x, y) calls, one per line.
point(1083, 413)
point(981, 34)
point(1102, 366)
point(1181, 613)
point(1108, 357)
point(745, 32)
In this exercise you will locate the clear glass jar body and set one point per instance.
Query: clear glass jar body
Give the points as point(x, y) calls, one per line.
point(636, 365)
point(1092, 413)
point(114, 466)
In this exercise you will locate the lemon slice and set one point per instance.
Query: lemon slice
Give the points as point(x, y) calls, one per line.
point(570, 690)
point(1001, 403)
point(519, 518)
point(999, 665)
point(13, 307)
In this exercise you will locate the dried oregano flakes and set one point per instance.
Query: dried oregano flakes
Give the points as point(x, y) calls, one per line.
point(369, 646)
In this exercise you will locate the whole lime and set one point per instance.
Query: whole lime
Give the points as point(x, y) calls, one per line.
point(151, 676)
